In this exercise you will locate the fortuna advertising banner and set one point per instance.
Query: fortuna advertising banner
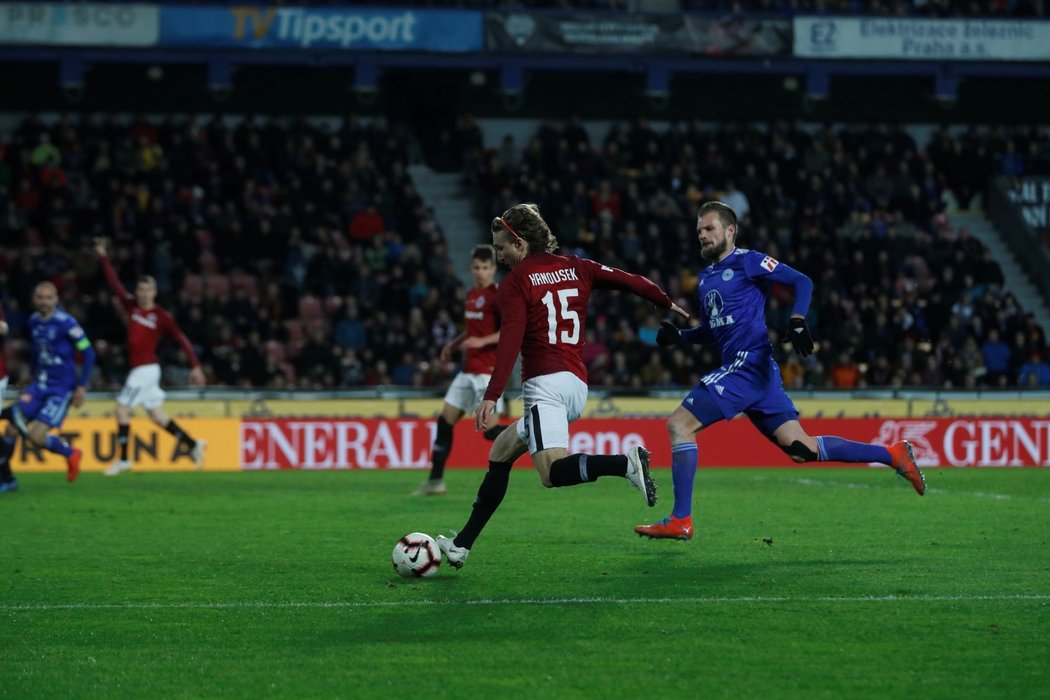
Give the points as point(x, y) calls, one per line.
point(256, 444)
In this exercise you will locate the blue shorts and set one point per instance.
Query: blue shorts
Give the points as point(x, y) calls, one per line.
point(48, 405)
point(752, 388)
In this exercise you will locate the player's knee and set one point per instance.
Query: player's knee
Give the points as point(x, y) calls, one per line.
point(677, 432)
point(798, 452)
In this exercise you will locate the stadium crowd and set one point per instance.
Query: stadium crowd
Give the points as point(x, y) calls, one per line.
point(296, 255)
point(301, 255)
point(901, 298)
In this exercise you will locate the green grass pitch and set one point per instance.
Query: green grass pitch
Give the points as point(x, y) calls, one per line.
point(799, 583)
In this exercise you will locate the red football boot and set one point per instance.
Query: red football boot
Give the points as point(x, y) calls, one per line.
point(73, 464)
point(904, 463)
point(670, 528)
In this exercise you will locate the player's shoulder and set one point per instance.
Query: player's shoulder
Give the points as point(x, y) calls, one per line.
point(34, 318)
point(63, 318)
point(756, 259)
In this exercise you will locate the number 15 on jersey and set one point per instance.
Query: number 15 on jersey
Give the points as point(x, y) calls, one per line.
point(564, 295)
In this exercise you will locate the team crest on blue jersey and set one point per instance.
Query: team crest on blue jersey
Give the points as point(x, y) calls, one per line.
point(713, 302)
point(727, 275)
point(715, 305)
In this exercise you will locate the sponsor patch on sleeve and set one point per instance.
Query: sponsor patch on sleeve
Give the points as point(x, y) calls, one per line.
point(769, 263)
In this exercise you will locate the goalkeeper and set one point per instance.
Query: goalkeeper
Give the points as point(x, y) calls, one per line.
point(732, 292)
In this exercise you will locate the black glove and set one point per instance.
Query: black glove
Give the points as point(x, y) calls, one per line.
point(799, 337)
point(668, 334)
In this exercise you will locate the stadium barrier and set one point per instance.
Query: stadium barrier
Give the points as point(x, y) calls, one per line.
point(265, 443)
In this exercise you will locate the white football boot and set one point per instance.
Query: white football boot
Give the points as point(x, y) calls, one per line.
point(431, 487)
point(118, 468)
point(198, 453)
point(456, 556)
point(638, 473)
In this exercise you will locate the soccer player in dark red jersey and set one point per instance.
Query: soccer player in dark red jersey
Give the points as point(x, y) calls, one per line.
point(147, 322)
point(478, 339)
point(543, 305)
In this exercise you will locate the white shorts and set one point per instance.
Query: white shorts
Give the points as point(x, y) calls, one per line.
point(142, 388)
point(467, 390)
point(552, 401)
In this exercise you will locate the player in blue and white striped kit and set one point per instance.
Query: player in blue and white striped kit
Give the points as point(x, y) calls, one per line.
point(732, 292)
point(56, 338)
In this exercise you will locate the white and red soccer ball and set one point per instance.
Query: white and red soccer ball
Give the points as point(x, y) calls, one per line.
point(416, 555)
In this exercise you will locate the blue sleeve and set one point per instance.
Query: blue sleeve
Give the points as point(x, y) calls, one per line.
point(697, 335)
point(87, 352)
point(764, 267)
point(87, 363)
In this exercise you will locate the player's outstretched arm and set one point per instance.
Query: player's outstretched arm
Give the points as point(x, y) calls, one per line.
point(126, 298)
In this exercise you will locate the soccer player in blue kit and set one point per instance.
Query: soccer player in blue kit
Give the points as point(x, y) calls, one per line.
point(732, 292)
point(56, 338)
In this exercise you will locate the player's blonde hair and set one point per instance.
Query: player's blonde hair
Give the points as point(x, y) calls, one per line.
point(523, 221)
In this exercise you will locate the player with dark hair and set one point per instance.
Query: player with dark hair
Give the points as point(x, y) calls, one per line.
point(732, 292)
point(57, 339)
point(478, 339)
point(543, 302)
point(147, 322)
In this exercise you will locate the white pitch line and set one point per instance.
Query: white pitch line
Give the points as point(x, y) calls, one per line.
point(704, 600)
point(929, 489)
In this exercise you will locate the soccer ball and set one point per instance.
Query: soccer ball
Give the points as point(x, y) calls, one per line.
point(416, 555)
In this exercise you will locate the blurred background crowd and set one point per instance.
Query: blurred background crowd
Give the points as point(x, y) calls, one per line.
point(302, 255)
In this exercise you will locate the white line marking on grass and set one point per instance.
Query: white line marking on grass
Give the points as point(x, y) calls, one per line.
point(703, 600)
point(929, 489)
